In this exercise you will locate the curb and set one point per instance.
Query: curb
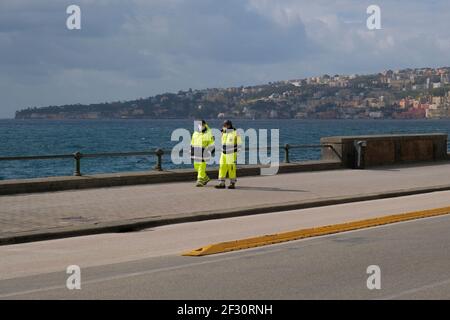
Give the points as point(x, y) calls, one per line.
point(155, 221)
point(270, 239)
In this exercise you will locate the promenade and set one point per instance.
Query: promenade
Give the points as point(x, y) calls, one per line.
point(31, 217)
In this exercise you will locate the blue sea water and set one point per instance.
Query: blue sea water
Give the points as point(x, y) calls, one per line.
point(41, 137)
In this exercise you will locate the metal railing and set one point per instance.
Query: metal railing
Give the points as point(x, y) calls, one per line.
point(77, 156)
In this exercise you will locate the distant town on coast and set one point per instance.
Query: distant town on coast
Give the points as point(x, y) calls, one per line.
point(401, 94)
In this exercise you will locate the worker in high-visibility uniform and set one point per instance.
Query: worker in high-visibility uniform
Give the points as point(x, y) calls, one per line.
point(202, 147)
point(231, 145)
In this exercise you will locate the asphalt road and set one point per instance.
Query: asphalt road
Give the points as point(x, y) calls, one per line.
point(414, 259)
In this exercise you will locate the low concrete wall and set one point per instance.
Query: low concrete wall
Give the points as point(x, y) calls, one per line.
point(387, 149)
point(134, 178)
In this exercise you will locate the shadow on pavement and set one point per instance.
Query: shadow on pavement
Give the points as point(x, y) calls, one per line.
point(268, 189)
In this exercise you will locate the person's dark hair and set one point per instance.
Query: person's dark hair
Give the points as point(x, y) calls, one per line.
point(228, 123)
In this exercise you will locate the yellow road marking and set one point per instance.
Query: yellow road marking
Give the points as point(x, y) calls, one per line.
point(312, 232)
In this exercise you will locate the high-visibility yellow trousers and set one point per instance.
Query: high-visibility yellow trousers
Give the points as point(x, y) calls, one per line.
point(227, 167)
point(200, 167)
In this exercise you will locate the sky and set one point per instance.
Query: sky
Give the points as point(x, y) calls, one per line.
point(128, 49)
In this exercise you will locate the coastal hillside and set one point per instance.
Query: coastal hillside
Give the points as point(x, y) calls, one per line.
point(402, 94)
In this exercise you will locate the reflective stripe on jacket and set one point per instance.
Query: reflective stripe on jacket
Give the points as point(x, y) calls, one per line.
point(231, 141)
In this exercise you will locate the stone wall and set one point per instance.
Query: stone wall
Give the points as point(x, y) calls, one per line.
point(387, 149)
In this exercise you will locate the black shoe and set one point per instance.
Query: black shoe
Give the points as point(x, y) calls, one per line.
point(200, 184)
point(232, 186)
point(220, 186)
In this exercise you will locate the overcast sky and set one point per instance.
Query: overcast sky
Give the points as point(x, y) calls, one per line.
point(128, 49)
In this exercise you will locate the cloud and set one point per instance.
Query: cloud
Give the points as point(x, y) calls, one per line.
point(339, 29)
point(137, 48)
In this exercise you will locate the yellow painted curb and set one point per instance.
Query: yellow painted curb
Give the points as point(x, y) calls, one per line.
point(312, 232)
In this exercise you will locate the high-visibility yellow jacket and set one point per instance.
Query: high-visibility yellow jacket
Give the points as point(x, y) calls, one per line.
point(202, 145)
point(231, 144)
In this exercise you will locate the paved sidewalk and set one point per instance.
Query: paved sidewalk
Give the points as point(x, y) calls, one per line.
point(96, 210)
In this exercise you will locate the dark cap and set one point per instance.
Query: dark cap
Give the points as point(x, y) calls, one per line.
point(228, 123)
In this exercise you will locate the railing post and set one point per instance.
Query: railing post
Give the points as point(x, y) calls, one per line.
point(77, 157)
point(159, 153)
point(286, 153)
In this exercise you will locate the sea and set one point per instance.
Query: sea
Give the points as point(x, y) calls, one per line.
point(49, 137)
